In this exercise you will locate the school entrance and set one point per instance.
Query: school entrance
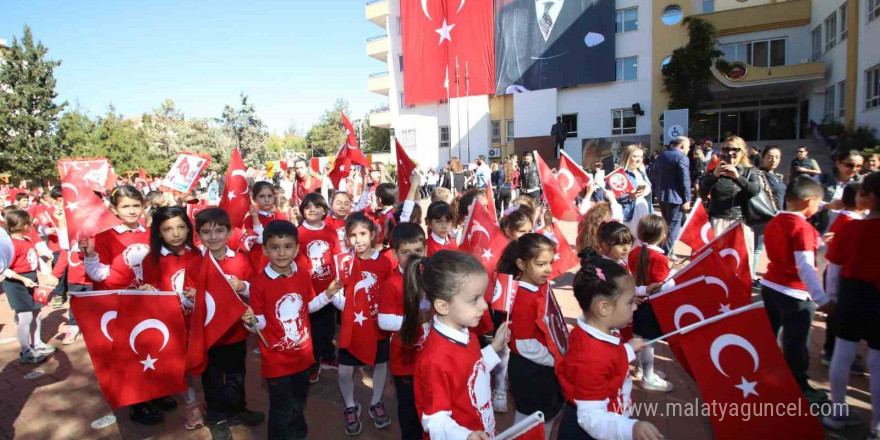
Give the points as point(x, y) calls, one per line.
point(756, 119)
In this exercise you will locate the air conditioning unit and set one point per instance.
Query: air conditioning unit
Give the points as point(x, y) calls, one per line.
point(494, 152)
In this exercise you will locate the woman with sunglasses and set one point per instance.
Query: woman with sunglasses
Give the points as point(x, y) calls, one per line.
point(847, 166)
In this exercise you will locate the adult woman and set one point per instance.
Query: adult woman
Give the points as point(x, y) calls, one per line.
point(847, 165)
point(505, 188)
point(775, 183)
point(635, 204)
point(729, 187)
point(457, 175)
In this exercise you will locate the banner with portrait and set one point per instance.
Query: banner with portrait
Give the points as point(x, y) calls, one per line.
point(185, 172)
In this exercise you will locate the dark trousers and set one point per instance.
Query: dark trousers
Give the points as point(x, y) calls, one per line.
point(558, 145)
point(410, 426)
point(287, 401)
point(672, 213)
point(504, 197)
point(795, 317)
point(323, 324)
point(223, 381)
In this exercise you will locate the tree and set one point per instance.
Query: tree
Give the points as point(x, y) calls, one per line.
point(246, 130)
point(28, 112)
point(686, 76)
point(169, 132)
point(328, 134)
point(374, 139)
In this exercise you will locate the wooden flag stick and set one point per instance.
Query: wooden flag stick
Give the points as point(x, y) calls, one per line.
point(696, 325)
point(256, 326)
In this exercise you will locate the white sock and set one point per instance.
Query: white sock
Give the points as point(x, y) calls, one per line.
point(38, 318)
point(838, 372)
point(646, 360)
point(499, 373)
point(874, 370)
point(346, 384)
point(380, 375)
point(190, 395)
point(23, 331)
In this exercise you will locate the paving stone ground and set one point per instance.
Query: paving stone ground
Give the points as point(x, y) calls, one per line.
point(63, 403)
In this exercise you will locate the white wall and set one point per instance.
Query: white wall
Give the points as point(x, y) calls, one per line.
point(798, 44)
point(869, 56)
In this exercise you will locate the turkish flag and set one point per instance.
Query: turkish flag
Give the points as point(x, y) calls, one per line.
point(405, 167)
point(561, 206)
point(715, 267)
point(236, 198)
point(96, 315)
point(565, 258)
point(551, 322)
point(440, 35)
point(353, 151)
point(482, 238)
point(217, 308)
point(193, 208)
point(341, 167)
point(44, 218)
point(149, 347)
point(359, 332)
point(490, 203)
point(572, 178)
point(619, 182)
point(95, 171)
point(737, 362)
point(85, 213)
point(504, 292)
point(343, 263)
point(42, 294)
point(731, 247)
point(697, 231)
point(530, 428)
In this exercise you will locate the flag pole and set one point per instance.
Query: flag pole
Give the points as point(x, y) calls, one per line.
point(467, 106)
point(696, 325)
point(457, 108)
point(449, 108)
point(256, 326)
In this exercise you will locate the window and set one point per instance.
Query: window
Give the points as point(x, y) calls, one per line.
point(509, 131)
point(816, 37)
point(842, 13)
point(399, 27)
point(829, 105)
point(671, 15)
point(830, 31)
point(623, 121)
point(841, 98)
point(872, 81)
point(403, 102)
point(708, 6)
point(570, 122)
point(627, 69)
point(444, 136)
point(764, 53)
point(626, 20)
point(873, 9)
point(400, 62)
point(496, 132)
point(407, 139)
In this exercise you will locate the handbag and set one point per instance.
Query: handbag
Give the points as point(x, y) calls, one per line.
point(761, 207)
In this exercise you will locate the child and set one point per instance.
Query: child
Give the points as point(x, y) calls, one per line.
point(650, 267)
point(791, 288)
point(19, 282)
point(69, 267)
point(281, 298)
point(532, 380)
point(853, 280)
point(261, 213)
point(223, 378)
point(442, 194)
point(451, 377)
point(405, 317)
point(517, 223)
point(440, 220)
point(594, 374)
point(615, 242)
point(362, 237)
point(340, 207)
point(319, 244)
point(386, 198)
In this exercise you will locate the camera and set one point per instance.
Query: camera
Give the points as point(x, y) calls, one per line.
point(725, 157)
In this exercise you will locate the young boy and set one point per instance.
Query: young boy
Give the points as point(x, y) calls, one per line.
point(386, 198)
point(791, 288)
point(408, 241)
point(281, 299)
point(223, 378)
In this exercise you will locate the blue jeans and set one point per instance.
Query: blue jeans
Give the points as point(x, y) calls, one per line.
point(759, 247)
point(672, 213)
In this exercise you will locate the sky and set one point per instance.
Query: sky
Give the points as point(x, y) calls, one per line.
point(293, 58)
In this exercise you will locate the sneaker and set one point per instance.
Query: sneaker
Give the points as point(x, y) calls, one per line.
point(166, 403)
point(655, 383)
point(57, 302)
point(330, 365)
point(145, 414)
point(220, 430)
point(849, 417)
point(44, 348)
point(815, 396)
point(31, 357)
point(353, 420)
point(637, 374)
point(71, 335)
point(314, 373)
point(194, 417)
point(380, 417)
point(499, 401)
point(246, 417)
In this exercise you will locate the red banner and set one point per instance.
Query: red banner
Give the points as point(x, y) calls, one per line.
point(571, 177)
point(551, 321)
point(236, 198)
point(697, 231)
point(405, 167)
point(96, 171)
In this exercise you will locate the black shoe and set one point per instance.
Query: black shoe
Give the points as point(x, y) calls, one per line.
point(247, 418)
point(145, 414)
point(220, 430)
point(166, 403)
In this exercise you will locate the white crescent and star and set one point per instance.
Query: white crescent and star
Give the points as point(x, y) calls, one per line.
point(74, 205)
point(210, 307)
point(686, 309)
point(704, 232)
point(487, 254)
point(730, 251)
point(105, 319)
point(444, 32)
point(729, 339)
point(146, 325)
point(718, 282)
point(359, 318)
point(478, 228)
point(567, 174)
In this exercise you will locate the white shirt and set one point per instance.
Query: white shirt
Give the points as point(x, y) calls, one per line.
point(554, 13)
point(6, 250)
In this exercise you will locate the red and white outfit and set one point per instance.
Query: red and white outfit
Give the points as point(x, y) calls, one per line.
point(319, 244)
point(72, 262)
point(403, 357)
point(377, 270)
point(526, 339)
point(253, 236)
point(119, 260)
point(168, 273)
point(233, 264)
point(791, 243)
point(452, 384)
point(24, 257)
point(308, 185)
point(437, 243)
point(843, 217)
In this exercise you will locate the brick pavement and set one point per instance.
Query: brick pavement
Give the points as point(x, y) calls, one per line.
point(62, 403)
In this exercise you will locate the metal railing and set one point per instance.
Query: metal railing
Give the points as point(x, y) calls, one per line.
point(377, 38)
point(373, 2)
point(379, 75)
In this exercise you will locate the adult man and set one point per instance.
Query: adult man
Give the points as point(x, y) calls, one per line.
point(305, 181)
point(483, 174)
point(530, 183)
point(558, 132)
point(673, 180)
point(802, 164)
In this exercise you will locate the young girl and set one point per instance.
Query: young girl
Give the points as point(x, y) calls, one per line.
point(588, 228)
point(650, 267)
point(362, 237)
point(451, 377)
point(19, 283)
point(440, 219)
point(340, 207)
point(517, 223)
point(594, 374)
point(261, 214)
point(615, 242)
point(319, 242)
point(532, 380)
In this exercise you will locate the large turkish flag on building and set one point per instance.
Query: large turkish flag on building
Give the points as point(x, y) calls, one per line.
point(439, 35)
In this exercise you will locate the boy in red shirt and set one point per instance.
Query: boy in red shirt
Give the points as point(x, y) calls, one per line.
point(791, 288)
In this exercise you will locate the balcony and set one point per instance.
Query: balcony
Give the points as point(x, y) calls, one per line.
point(379, 83)
point(770, 76)
point(760, 18)
point(380, 119)
point(377, 12)
point(378, 47)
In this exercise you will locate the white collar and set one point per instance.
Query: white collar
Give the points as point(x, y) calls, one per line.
point(266, 213)
point(273, 275)
point(793, 213)
point(655, 248)
point(313, 228)
point(437, 238)
point(855, 215)
point(121, 229)
point(166, 252)
point(451, 333)
point(375, 255)
point(596, 333)
point(528, 286)
point(385, 210)
point(229, 252)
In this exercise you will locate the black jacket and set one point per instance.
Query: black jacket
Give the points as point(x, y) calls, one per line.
point(529, 180)
point(727, 196)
